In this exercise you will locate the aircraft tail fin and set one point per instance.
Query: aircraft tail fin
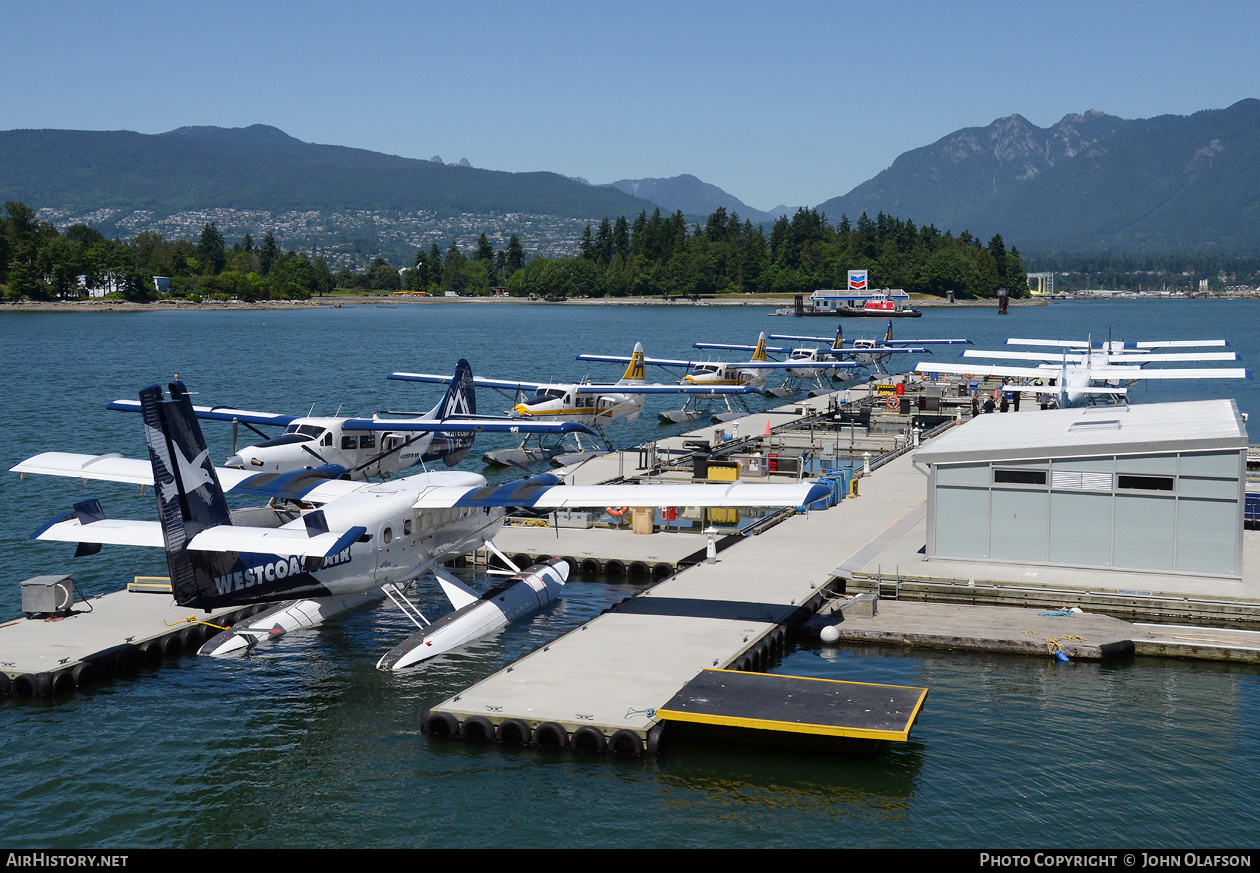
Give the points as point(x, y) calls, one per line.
point(460, 400)
point(190, 498)
point(461, 397)
point(888, 333)
point(839, 341)
point(759, 353)
point(634, 370)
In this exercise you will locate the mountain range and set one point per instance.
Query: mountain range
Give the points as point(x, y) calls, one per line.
point(1090, 183)
point(696, 199)
point(263, 168)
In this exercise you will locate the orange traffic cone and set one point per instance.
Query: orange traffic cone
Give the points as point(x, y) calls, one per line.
point(767, 427)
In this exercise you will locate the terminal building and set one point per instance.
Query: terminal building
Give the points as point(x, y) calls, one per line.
point(1158, 487)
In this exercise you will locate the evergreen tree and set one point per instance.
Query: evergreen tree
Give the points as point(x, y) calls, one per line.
point(211, 250)
point(267, 254)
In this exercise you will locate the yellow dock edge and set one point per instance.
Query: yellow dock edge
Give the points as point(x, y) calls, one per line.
point(799, 728)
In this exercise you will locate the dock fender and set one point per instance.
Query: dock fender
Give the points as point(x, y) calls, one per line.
point(477, 727)
point(626, 744)
point(32, 684)
point(662, 571)
point(638, 569)
point(589, 738)
point(172, 647)
point(514, 731)
point(522, 561)
point(615, 567)
point(62, 683)
point(151, 652)
point(572, 564)
point(590, 566)
point(550, 735)
point(83, 674)
point(126, 660)
point(656, 739)
point(440, 724)
point(6, 685)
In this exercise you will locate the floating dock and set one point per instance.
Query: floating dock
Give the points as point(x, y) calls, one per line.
point(609, 684)
point(101, 638)
point(766, 709)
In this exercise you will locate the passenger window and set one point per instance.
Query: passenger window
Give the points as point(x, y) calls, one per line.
point(327, 439)
point(407, 528)
point(387, 535)
point(367, 441)
point(349, 442)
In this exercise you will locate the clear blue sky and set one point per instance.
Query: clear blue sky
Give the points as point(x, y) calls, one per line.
point(785, 102)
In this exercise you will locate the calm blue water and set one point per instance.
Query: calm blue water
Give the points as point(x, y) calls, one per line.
point(307, 744)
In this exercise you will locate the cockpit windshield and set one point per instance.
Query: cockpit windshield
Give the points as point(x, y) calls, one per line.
point(310, 431)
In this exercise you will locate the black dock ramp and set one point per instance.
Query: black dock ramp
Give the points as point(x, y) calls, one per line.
point(795, 711)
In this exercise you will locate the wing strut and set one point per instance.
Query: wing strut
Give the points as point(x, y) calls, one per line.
point(512, 568)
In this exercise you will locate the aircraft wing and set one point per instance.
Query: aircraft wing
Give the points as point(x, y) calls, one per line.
point(770, 349)
point(1112, 359)
point(471, 424)
point(108, 468)
point(667, 389)
point(795, 365)
point(546, 492)
point(925, 342)
point(974, 370)
point(625, 359)
point(80, 526)
point(1109, 373)
point(499, 384)
point(217, 413)
point(320, 485)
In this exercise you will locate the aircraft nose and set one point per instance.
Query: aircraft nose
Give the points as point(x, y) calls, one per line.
point(520, 409)
point(236, 462)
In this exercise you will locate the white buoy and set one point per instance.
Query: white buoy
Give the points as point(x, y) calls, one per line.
point(830, 634)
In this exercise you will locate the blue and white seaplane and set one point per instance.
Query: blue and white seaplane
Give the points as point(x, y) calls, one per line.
point(585, 403)
point(1081, 374)
point(323, 544)
point(802, 365)
point(381, 446)
point(871, 352)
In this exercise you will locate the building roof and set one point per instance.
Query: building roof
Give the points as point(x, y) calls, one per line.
point(1146, 428)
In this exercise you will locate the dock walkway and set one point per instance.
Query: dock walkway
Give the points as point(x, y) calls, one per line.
point(614, 672)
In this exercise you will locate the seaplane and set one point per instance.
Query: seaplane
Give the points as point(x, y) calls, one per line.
point(870, 352)
point(323, 544)
point(381, 446)
point(585, 403)
point(1081, 374)
point(751, 373)
point(802, 365)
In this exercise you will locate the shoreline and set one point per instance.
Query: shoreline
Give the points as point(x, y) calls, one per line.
point(98, 305)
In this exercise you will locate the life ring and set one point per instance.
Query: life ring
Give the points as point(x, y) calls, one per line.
point(892, 400)
point(616, 511)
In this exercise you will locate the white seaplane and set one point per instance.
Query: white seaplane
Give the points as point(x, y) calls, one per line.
point(323, 544)
point(871, 352)
point(586, 403)
point(378, 447)
point(1081, 374)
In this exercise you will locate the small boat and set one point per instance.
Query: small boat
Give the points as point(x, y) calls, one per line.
point(879, 306)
